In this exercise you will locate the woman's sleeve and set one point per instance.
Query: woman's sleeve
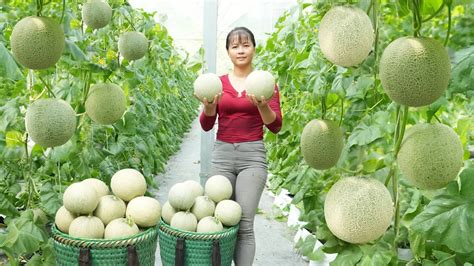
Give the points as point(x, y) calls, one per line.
point(207, 122)
point(274, 104)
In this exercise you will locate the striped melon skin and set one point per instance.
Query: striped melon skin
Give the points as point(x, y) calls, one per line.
point(321, 143)
point(105, 103)
point(133, 45)
point(358, 209)
point(430, 156)
point(415, 71)
point(50, 122)
point(346, 35)
point(37, 42)
point(96, 14)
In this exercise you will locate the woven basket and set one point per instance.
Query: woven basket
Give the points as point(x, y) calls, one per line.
point(138, 249)
point(179, 247)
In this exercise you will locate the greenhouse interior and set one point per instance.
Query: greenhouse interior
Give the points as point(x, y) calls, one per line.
point(222, 132)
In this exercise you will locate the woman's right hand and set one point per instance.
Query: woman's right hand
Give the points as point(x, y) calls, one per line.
point(210, 108)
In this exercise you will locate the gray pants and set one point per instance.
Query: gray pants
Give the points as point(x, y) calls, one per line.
point(244, 164)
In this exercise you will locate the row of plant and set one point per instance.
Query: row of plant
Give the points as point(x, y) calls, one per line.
point(159, 110)
point(434, 224)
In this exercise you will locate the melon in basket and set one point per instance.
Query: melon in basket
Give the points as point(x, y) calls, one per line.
point(121, 227)
point(167, 212)
point(63, 219)
point(228, 212)
point(145, 211)
point(181, 196)
point(185, 221)
point(110, 207)
point(218, 188)
point(128, 184)
point(209, 224)
point(87, 227)
point(203, 206)
point(79, 198)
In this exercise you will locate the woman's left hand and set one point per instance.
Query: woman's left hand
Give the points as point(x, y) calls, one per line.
point(253, 99)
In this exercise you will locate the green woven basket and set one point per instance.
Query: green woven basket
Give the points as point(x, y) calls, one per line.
point(179, 247)
point(135, 250)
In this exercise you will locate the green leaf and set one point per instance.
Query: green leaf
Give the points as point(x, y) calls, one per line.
point(348, 256)
point(449, 217)
point(14, 139)
point(6, 206)
point(8, 67)
point(50, 199)
point(363, 135)
point(23, 235)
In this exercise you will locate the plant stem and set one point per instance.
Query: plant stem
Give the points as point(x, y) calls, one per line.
point(446, 259)
point(47, 86)
point(342, 112)
point(449, 24)
point(63, 12)
point(376, 30)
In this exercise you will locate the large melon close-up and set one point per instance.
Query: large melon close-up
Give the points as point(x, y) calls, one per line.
point(128, 184)
point(346, 36)
point(260, 83)
point(37, 42)
point(415, 71)
point(207, 86)
point(358, 209)
point(321, 143)
point(96, 14)
point(133, 45)
point(106, 103)
point(50, 122)
point(430, 155)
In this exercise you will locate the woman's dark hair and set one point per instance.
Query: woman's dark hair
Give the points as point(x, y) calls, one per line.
point(241, 32)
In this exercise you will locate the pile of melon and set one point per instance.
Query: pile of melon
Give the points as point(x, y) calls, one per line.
point(190, 207)
point(90, 211)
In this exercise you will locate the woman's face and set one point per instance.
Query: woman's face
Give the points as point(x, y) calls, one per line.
point(241, 50)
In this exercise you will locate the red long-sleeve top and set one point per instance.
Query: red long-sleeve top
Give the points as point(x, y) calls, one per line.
point(238, 119)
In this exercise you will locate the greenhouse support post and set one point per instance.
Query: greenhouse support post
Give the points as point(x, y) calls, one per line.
point(209, 39)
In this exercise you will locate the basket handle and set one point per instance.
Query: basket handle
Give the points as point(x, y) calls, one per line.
point(84, 258)
point(132, 256)
point(216, 253)
point(179, 252)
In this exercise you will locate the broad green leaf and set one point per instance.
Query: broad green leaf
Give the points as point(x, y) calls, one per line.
point(363, 135)
point(449, 217)
point(50, 199)
point(6, 206)
point(8, 67)
point(14, 139)
point(351, 255)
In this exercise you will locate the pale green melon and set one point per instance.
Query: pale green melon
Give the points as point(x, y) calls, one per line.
point(207, 86)
point(260, 83)
point(321, 143)
point(144, 211)
point(128, 183)
point(79, 198)
point(167, 212)
point(195, 186)
point(209, 224)
point(37, 42)
point(87, 227)
point(133, 45)
point(121, 227)
point(415, 71)
point(96, 14)
point(110, 207)
point(218, 188)
point(184, 221)
point(202, 207)
point(63, 219)
point(105, 103)
point(50, 122)
point(181, 197)
point(358, 210)
point(228, 212)
point(346, 35)
point(430, 156)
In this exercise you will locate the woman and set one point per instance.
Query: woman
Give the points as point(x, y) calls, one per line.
point(239, 151)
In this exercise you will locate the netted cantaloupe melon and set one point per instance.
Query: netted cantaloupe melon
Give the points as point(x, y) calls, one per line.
point(105, 103)
point(96, 14)
point(37, 42)
point(358, 209)
point(430, 155)
point(346, 35)
point(133, 45)
point(321, 143)
point(50, 122)
point(415, 71)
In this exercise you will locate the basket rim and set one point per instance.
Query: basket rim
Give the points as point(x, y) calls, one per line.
point(64, 238)
point(210, 235)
